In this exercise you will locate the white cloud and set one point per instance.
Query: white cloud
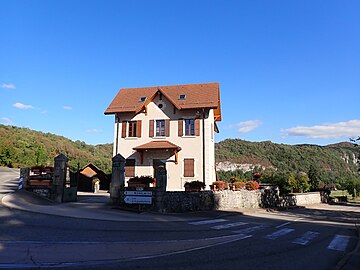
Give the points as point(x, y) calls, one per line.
point(94, 130)
point(326, 131)
point(22, 106)
point(6, 121)
point(67, 108)
point(247, 126)
point(8, 86)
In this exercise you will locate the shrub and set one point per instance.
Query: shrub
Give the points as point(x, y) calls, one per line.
point(252, 185)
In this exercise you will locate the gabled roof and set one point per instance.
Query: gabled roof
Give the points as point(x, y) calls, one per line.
point(90, 170)
point(197, 96)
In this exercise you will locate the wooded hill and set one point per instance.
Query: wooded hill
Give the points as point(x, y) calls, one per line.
point(333, 163)
point(23, 147)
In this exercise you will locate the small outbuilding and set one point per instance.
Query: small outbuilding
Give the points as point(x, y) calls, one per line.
point(91, 178)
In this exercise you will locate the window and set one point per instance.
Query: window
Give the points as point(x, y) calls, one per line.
point(160, 128)
point(182, 97)
point(132, 129)
point(189, 127)
point(130, 168)
point(189, 167)
point(142, 99)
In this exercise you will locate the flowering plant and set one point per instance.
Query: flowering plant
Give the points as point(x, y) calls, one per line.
point(252, 185)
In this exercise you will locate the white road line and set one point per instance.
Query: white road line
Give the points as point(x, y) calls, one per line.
point(306, 238)
point(229, 225)
point(250, 229)
point(208, 221)
point(282, 225)
point(339, 242)
point(278, 233)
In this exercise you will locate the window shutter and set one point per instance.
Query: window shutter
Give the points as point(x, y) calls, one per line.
point(130, 168)
point(180, 127)
point(138, 128)
point(189, 167)
point(197, 127)
point(151, 128)
point(123, 129)
point(167, 127)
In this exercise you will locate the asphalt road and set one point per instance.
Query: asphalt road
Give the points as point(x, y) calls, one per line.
point(318, 238)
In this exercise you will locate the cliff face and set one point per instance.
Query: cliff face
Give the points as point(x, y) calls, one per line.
point(336, 160)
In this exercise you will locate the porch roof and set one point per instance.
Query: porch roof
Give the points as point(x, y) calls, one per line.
point(157, 145)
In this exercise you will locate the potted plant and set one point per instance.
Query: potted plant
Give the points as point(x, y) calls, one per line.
point(218, 185)
point(252, 185)
point(239, 185)
point(194, 186)
point(142, 181)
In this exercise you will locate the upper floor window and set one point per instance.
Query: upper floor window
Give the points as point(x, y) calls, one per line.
point(132, 129)
point(192, 127)
point(160, 128)
point(189, 127)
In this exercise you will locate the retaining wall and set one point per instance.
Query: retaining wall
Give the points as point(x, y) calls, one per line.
point(179, 201)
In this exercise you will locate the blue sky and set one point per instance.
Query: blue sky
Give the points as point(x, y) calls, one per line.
point(289, 71)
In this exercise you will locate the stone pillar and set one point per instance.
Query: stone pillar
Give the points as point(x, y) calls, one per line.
point(24, 175)
point(160, 190)
point(117, 178)
point(59, 179)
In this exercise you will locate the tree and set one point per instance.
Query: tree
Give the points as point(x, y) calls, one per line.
point(298, 182)
point(314, 177)
point(40, 154)
point(303, 182)
point(6, 156)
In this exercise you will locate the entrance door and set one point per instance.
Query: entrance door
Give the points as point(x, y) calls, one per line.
point(157, 163)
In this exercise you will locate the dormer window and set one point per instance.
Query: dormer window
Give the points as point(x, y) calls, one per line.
point(142, 99)
point(182, 97)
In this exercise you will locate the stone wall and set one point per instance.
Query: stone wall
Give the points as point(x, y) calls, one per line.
point(228, 199)
point(179, 201)
point(305, 198)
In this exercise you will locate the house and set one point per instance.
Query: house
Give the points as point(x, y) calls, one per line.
point(90, 173)
point(169, 126)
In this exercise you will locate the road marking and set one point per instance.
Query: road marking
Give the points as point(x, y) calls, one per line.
point(339, 242)
point(278, 233)
point(250, 229)
point(282, 225)
point(306, 238)
point(229, 225)
point(208, 221)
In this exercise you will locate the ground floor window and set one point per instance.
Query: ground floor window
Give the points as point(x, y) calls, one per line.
point(189, 167)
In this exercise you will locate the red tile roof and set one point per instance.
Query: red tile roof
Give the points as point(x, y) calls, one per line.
point(205, 95)
point(157, 145)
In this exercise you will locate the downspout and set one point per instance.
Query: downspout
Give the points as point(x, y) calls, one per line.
point(203, 143)
point(117, 135)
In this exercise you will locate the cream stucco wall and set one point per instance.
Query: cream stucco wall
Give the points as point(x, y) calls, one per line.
point(191, 146)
